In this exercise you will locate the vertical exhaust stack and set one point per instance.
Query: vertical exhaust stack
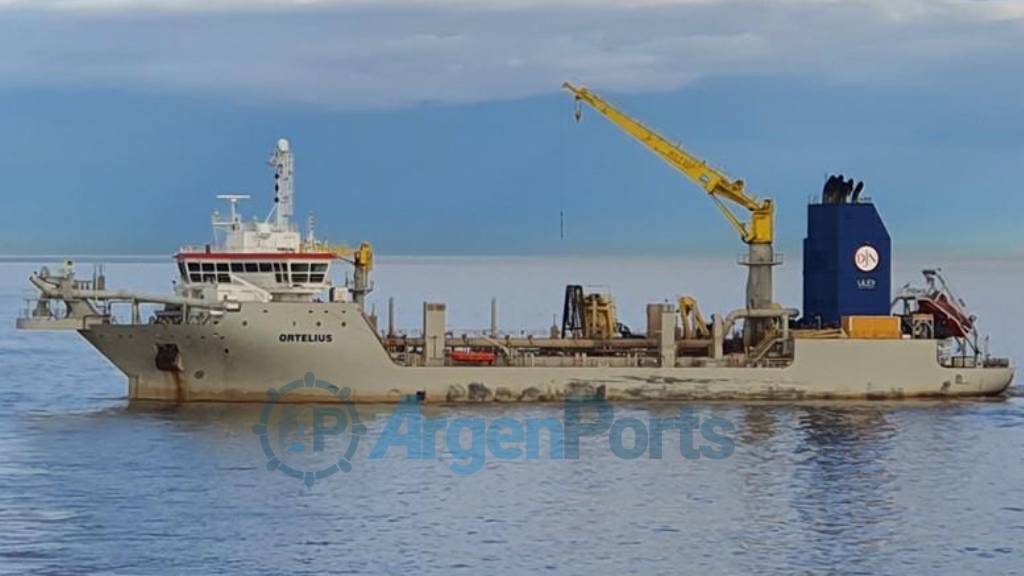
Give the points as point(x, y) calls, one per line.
point(494, 317)
point(847, 257)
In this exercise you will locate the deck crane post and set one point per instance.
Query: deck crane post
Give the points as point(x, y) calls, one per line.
point(361, 259)
point(757, 232)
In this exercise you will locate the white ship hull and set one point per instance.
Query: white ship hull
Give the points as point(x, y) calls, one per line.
point(260, 347)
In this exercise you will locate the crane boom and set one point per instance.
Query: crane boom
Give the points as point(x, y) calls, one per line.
point(758, 232)
point(722, 189)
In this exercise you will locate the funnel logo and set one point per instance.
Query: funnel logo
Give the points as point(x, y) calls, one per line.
point(866, 258)
point(309, 441)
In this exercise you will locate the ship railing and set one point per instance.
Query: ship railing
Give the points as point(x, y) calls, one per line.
point(195, 249)
point(33, 307)
point(43, 309)
point(84, 284)
point(55, 314)
point(486, 333)
point(459, 334)
point(743, 259)
point(958, 361)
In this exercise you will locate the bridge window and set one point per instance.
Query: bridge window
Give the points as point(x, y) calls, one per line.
point(265, 267)
point(196, 277)
point(252, 267)
point(316, 278)
point(300, 267)
point(208, 267)
point(222, 267)
point(223, 278)
point(193, 266)
point(319, 268)
point(237, 267)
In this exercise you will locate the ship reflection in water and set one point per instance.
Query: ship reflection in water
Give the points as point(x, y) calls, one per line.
point(91, 484)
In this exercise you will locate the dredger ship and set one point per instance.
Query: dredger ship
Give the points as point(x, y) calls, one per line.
point(257, 309)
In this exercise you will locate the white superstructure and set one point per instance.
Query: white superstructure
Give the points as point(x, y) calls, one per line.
point(259, 260)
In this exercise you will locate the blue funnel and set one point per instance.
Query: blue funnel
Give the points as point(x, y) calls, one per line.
point(847, 261)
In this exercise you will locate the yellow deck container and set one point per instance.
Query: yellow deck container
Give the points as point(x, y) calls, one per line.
point(872, 327)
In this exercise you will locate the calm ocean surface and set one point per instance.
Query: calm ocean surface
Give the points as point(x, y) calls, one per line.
point(89, 484)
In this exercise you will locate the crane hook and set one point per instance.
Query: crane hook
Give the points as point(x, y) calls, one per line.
point(578, 112)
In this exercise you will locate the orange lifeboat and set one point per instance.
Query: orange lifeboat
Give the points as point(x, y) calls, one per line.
point(472, 356)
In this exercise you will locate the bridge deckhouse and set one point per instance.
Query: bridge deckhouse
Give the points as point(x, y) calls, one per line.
point(276, 271)
point(261, 260)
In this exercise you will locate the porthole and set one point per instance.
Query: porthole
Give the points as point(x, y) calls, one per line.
point(199, 374)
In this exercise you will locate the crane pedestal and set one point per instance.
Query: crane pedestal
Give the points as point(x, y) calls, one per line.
point(760, 260)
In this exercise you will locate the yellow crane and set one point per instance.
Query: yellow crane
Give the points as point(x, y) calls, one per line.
point(694, 324)
point(721, 188)
point(758, 232)
point(361, 258)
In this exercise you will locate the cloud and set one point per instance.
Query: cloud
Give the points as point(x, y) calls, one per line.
point(361, 54)
point(291, 5)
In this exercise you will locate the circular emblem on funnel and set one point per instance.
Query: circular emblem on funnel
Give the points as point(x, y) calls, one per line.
point(866, 258)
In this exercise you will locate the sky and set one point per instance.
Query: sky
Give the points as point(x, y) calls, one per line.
point(438, 127)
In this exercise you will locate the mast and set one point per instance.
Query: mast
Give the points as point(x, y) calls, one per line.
point(284, 185)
